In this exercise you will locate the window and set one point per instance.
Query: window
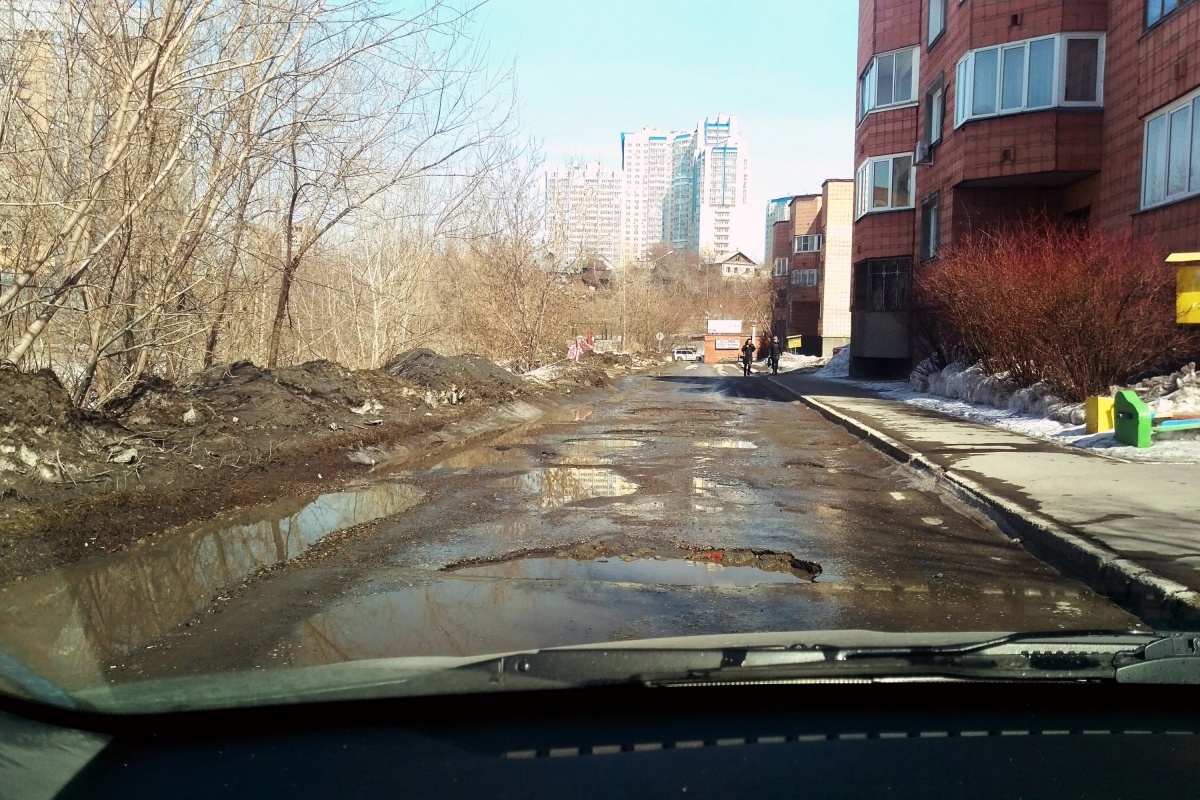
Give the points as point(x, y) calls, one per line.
point(809, 244)
point(806, 277)
point(935, 97)
point(881, 284)
point(1061, 70)
point(890, 80)
point(930, 227)
point(780, 267)
point(1171, 153)
point(1157, 9)
point(937, 19)
point(884, 184)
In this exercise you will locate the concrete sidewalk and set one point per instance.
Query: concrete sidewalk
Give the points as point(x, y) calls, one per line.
point(1128, 530)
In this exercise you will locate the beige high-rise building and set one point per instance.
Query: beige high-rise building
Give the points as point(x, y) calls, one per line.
point(583, 212)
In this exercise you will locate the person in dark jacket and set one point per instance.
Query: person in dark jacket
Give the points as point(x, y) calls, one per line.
point(747, 356)
point(774, 353)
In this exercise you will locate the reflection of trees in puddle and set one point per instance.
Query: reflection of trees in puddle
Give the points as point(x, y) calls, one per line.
point(108, 607)
point(557, 486)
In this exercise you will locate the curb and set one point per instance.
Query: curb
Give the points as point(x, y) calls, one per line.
point(1157, 601)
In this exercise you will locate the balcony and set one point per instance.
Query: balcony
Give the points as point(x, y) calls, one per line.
point(1046, 149)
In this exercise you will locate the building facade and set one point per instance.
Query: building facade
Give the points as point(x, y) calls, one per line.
point(724, 220)
point(688, 189)
point(810, 249)
point(583, 212)
point(973, 115)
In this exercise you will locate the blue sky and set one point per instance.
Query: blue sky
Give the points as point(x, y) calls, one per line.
point(589, 69)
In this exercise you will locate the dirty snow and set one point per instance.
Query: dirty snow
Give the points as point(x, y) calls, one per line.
point(969, 393)
point(790, 362)
point(838, 366)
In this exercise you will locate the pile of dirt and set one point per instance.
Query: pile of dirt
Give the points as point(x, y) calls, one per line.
point(611, 361)
point(44, 438)
point(568, 375)
point(467, 376)
point(157, 405)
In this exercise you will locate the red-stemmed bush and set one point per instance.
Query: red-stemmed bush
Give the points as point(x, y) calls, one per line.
point(1081, 310)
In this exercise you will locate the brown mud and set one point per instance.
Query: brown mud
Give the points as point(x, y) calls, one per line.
point(76, 483)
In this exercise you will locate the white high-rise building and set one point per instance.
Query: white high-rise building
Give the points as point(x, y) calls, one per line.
point(584, 213)
point(724, 220)
point(689, 189)
point(646, 163)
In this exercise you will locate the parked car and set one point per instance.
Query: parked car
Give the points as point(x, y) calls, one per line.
point(687, 354)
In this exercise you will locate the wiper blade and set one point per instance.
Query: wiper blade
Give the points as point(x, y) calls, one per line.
point(1076, 655)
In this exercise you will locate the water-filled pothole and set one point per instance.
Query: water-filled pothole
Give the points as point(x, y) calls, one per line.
point(729, 444)
point(558, 486)
point(663, 566)
point(68, 623)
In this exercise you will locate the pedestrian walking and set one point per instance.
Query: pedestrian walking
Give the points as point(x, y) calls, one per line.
point(747, 357)
point(774, 354)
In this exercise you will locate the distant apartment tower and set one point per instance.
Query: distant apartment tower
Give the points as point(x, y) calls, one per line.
point(688, 189)
point(810, 255)
point(583, 212)
point(977, 115)
point(647, 161)
point(723, 216)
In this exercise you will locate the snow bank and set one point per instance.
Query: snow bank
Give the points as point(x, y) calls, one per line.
point(838, 366)
point(789, 362)
point(969, 393)
point(962, 382)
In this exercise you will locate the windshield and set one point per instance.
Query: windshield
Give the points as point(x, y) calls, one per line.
point(343, 345)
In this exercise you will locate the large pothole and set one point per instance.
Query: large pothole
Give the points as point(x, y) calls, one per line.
point(668, 566)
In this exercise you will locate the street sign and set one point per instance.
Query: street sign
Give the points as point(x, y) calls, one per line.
point(659, 336)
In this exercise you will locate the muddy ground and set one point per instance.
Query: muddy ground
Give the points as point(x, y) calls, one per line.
point(77, 482)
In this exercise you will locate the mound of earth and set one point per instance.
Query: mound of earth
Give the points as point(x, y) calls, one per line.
point(44, 438)
point(611, 360)
point(471, 376)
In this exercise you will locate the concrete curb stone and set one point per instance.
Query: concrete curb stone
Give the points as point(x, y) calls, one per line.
point(1159, 602)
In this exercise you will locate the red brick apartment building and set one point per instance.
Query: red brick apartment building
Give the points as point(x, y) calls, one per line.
point(810, 254)
point(973, 113)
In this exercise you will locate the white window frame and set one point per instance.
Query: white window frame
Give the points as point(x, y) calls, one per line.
point(964, 89)
point(864, 185)
point(1191, 166)
point(808, 243)
point(867, 83)
point(936, 15)
point(931, 227)
point(780, 267)
point(803, 278)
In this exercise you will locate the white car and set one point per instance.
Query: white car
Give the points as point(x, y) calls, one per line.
point(687, 354)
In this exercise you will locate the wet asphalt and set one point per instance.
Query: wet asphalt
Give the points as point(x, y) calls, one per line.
point(695, 501)
point(624, 518)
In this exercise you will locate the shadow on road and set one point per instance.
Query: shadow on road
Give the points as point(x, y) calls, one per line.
point(762, 386)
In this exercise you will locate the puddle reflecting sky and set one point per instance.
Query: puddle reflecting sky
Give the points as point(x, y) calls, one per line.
point(463, 615)
point(466, 617)
point(729, 444)
point(557, 486)
point(70, 623)
point(668, 572)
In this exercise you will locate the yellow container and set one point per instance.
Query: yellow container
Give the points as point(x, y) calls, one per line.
point(1187, 295)
point(1099, 414)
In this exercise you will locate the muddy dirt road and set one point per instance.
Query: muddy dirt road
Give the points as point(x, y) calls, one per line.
point(692, 502)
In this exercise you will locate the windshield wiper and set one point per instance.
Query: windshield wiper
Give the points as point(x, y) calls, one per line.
point(1121, 656)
